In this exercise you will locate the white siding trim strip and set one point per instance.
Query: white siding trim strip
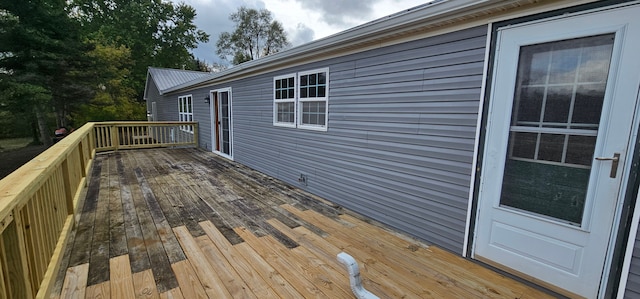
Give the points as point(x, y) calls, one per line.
point(476, 146)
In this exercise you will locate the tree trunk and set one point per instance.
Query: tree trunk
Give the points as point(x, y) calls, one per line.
point(42, 127)
point(34, 131)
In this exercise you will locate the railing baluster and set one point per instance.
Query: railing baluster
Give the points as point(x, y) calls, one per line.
point(15, 260)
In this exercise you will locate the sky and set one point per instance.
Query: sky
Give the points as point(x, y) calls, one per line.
point(303, 20)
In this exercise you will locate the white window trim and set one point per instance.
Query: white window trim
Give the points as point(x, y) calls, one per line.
point(294, 101)
point(298, 101)
point(325, 99)
point(184, 116)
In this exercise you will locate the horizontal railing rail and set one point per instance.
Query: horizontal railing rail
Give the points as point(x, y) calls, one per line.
point(129, 135)
point(38, 201)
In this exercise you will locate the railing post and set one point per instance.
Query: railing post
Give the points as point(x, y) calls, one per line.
point(195, 134)
point(115, 138)
point(92, 139)
point(14, 253)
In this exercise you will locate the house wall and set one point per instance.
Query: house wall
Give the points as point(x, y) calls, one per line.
point(167, 109)
point(633, 280)
point(151, 94)
point(399, 145)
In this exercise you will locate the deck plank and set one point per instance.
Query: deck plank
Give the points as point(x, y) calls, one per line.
point(234, 282)
point(213, 285)
point(81, 252)
point(207, 194)
point(155, 251)
point(117, 235)
point(99, 266)
point(144, 285)
point(190, 285)
point(135, 239)
point(75, 282)
point(328, 253)
point(242, 266)
point(172, 199)
point(451, 270)
point(172, 294)
point(480, 277)
point(169, 241)
point(299, 278)
point(121, 279)
point(378, 265)
point(279, 284)
point(99, 291)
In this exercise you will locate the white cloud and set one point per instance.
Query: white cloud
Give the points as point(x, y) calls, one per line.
point(303, 20)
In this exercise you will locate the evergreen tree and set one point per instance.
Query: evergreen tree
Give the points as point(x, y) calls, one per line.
point(42, 61)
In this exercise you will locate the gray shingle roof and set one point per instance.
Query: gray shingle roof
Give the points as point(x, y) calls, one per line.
point(168, 78)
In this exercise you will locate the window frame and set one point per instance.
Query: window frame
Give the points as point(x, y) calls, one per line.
point(185, 116)
point(325, 99)
point(287, 100)
point(299, 101)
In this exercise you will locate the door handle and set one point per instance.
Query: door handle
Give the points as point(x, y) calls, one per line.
point(615, 160)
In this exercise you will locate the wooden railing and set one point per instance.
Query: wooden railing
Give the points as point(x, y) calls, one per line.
point(38, 201)
point(129, 135)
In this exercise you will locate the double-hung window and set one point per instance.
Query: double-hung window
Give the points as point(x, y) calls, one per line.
point(284, 99)
point(302, 100)
point(313, 100)
point(185, 112)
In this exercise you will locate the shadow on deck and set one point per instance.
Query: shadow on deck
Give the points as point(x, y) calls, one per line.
point(184, 223)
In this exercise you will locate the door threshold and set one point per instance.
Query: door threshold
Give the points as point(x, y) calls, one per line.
point(525, 279)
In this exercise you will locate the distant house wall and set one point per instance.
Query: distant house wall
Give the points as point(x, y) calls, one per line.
point(399, 145)
point(633, 281)
point(167, 108)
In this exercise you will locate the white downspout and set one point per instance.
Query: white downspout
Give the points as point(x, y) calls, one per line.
point(354, 277)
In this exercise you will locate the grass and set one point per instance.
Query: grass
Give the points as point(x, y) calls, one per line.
point(14, 143)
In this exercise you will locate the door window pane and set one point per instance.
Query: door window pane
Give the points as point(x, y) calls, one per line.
point(524, 145)
point(558, 100)
point(580, 150)
point(530, 105)
point(550, 147)
point(588, 104)
point(557, 106)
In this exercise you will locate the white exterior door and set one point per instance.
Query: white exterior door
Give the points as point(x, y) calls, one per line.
point(222, 123)
point(562, 108)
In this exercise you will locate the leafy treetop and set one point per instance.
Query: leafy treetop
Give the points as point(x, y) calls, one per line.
point(256, 35)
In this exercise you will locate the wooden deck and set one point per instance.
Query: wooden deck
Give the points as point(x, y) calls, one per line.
point(184, 223)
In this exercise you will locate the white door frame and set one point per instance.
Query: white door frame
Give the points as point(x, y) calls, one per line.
point(214, 104)
point(470, 236)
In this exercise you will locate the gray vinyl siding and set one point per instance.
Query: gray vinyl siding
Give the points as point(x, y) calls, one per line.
point(167, 107)
point(399, 145)
point(633, 281)
point(201, 115)
point(153, 95)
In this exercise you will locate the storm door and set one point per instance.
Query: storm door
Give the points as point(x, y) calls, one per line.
point(562, 107)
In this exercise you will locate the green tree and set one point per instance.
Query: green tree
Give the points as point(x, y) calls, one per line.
point(158, 33)
point(114, 99)
point(256, 35)
point(42, 62)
